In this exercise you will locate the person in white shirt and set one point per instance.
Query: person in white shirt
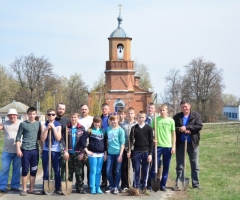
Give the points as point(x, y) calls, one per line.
point(85, 120)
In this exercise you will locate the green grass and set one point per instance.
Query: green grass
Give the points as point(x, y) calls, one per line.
point(1, 149)
point(219, 163)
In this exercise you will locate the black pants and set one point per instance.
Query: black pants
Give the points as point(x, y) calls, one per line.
point(124, 176)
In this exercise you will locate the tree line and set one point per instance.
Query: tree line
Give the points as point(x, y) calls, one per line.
point(31, 79)
point(201, 83)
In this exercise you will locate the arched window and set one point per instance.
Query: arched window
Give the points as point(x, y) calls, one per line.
point(118, 104)
point(120, 51)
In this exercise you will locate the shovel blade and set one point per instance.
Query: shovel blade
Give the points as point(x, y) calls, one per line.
point(183, 183)
point(66, 187)
point(49, 186)
point(155, 183)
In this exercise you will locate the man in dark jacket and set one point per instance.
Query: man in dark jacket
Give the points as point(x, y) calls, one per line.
point(188, 125)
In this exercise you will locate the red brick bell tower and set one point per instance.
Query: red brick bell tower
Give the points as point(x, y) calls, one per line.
point(121, 85)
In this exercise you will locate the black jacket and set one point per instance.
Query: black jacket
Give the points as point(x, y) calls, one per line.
point(97, 142)
point(79, 134)
point(194, 125)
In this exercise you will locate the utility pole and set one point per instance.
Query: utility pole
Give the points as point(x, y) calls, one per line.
point(54, 103)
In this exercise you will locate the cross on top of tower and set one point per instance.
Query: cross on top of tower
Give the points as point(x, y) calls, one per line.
point(119, 18)
point(120, 5)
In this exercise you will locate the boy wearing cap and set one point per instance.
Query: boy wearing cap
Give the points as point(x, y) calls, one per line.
point(9, 154)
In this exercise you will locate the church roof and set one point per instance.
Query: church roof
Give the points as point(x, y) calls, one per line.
point(119, 32)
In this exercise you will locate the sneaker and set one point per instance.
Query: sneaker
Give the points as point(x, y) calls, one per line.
point(124, 189)
point(93, 190)
point(59, 192)
point(149, 188)
point(175, 188)
point(15, 189)
point(143, 188)
point(103, 184)
point(163, 189)
point(109, 190)
point(115, 191)
point(82, 191)
point(43, 192)
point(196, 187)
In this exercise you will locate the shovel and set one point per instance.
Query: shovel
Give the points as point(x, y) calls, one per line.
point(155, 181)
point(129, 179)
point(66, 185)
point(183, 182)
point(49, 185)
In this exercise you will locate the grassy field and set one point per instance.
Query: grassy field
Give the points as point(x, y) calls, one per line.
point(219, 163)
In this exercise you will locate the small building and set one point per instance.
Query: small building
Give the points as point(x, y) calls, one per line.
point(21, 109)
point(232, 112)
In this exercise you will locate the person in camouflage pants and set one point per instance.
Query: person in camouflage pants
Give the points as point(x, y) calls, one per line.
point(74, 154)
point(74, 165)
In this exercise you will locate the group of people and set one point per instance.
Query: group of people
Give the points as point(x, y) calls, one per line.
point(105, 144)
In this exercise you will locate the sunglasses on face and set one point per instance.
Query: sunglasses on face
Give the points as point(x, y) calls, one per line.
point(51, 114)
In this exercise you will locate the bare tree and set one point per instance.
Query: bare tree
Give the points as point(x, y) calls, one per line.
point(35, 78)
point(172, 92)
point(142, 71)
point(97, 95)
point(203, 82)
point(76, 93)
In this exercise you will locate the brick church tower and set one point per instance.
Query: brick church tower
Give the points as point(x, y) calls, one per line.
point(121, 84)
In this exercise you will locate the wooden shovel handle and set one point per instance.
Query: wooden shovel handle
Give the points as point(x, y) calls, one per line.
point(155, 137)
point(66, 150)
point(49, 154)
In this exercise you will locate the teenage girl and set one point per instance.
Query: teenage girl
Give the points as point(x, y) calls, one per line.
point(96, 151)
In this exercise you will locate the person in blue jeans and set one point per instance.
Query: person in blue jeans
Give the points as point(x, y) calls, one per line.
point(165, 141)
point(55, 128)
point(9, 155)
point(116, 139)
point(141, 137)
point(96, 151)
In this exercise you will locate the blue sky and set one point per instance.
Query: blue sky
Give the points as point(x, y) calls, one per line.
point(73, 35)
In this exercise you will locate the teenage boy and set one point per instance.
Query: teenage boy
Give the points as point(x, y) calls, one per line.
point(55, 128)
point(149, 117)
point(122, 116)
point(150, 113)
point(142, 135)
point(9, 155)
point(166, 139)
point(127, 128)
point(74, 154)
point(29, 132)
